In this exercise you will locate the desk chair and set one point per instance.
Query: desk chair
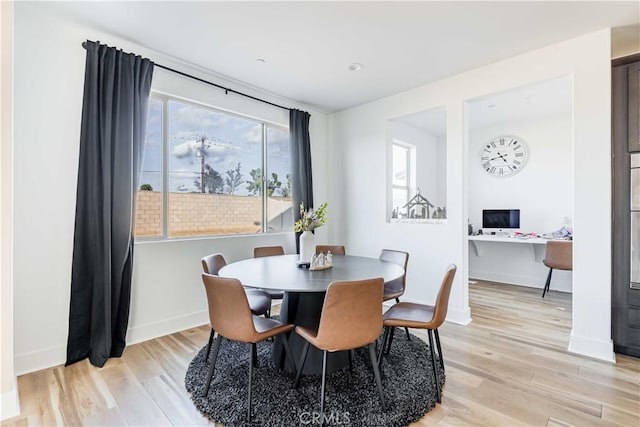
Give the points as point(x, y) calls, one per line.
point(351, 318)
point(259, 301)
point(559, 255)
point(230, 315)
point(335, 249)
point(262, 251)
point(420, 316)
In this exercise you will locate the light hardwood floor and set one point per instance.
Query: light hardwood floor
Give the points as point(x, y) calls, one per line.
point(509, 367)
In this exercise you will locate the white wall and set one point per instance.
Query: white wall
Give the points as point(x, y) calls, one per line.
point(542, 192)
point(167, 293)
point(358, 135)
point(9, 406)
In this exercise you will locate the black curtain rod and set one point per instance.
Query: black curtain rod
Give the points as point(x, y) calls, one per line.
point(226, 89)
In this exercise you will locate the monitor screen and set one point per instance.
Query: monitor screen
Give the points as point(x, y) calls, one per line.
point(501, 218)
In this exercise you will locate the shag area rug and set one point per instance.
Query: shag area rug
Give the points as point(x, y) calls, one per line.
point(352, 397)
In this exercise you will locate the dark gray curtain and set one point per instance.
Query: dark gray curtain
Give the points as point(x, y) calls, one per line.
point(114, 115)
point(301, 181)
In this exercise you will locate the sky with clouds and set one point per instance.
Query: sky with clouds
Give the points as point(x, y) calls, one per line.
point(229, 140)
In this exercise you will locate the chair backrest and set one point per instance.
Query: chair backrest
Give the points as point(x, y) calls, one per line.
point(402, 259)
point(211, 264)
point(229, 311)
point(351, 315)
point(262, 251)
point(335, 249)
point(559, 254)
point(442, 300)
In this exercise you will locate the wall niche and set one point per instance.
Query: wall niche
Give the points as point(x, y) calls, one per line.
point(417, 167)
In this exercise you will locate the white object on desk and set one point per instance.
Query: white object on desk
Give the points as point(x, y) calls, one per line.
point(536, 244)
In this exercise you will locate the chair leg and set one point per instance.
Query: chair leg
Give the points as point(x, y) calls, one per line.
point(211, 335)
point(350, 360)
point(406, 330)
point(433, 364)
point(546, 285)
point(303, 358)
point(216, 348)
point(324, 380)
point(435, 332)
point(376, 373)
point(385, 337)
point(250, 375)
point(393, 329)
point(254, 354)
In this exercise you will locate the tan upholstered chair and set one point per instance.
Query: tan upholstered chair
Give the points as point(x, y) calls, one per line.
point(259, 301)
point(350, 318)
point(335, 249)
point(395, 288)
point(230, 315)
point(558, 255)
point(262, 251)
point(420, 316)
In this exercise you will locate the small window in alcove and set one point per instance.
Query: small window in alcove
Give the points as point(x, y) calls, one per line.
point(416, 167)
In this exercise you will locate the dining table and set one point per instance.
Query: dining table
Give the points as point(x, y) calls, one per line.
point(304, 292)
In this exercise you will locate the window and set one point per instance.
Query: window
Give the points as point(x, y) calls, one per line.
point(203, 174)
point(401, 155)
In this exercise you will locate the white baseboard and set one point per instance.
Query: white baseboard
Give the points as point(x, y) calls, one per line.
point(461, 317)
point(149, 331)
point(9, 403)
point(602, 350)
point(57, 355)
point(40, 359)
point(557, 284)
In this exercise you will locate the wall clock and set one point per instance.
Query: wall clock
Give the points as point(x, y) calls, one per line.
point(504, 155)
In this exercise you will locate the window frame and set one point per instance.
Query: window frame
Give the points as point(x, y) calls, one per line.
point(408, 167)
point(164, 200)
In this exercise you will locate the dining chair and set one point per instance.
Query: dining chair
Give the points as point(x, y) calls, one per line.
point(335, 249)
point(259, 301)
point(558, 255)
point(262, 251)
point(421, 316)
point(395, 288)
point(350, 318)
point(230, 315)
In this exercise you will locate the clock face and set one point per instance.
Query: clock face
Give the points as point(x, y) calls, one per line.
point(504, 155)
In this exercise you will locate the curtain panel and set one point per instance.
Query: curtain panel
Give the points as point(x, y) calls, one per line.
point(301, 181)
point(114, 115)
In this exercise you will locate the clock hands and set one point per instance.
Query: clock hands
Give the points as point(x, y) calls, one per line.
point(501, 156)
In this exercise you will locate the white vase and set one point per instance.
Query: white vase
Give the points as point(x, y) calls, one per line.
point(307, 246)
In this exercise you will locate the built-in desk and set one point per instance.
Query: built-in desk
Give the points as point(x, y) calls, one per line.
point(536, 244)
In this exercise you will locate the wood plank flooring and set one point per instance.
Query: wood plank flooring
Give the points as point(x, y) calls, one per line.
point(509, 367)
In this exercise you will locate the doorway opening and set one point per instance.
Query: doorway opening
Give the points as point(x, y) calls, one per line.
point(520, 195)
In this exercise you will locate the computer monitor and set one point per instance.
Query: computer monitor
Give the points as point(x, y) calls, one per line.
point(501, 218)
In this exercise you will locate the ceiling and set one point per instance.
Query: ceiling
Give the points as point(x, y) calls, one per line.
point(527, 103)
point(549, 98)
point(308, 46)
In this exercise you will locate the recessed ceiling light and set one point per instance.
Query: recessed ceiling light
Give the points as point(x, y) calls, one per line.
point(491, 106)
point(260, 61)
point(356, 66)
